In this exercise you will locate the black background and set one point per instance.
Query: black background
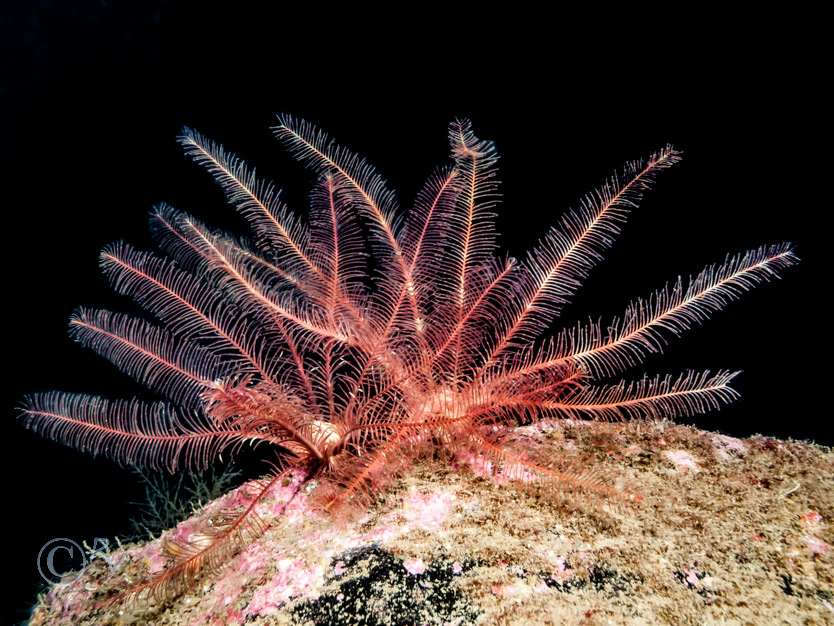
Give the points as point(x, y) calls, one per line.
point(95, 92)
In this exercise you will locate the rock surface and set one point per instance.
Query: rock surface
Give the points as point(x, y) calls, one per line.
point(729, 531)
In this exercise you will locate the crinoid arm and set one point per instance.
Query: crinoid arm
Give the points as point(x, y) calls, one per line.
point(640, 331)
point(156, 436)
point(643, 329)
point(278, 231)
point(556, 267)
point(189, 307)
point(566, 476)
point(207, 547)
point(174, 366)
point(650, 398)
point(366, 186)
